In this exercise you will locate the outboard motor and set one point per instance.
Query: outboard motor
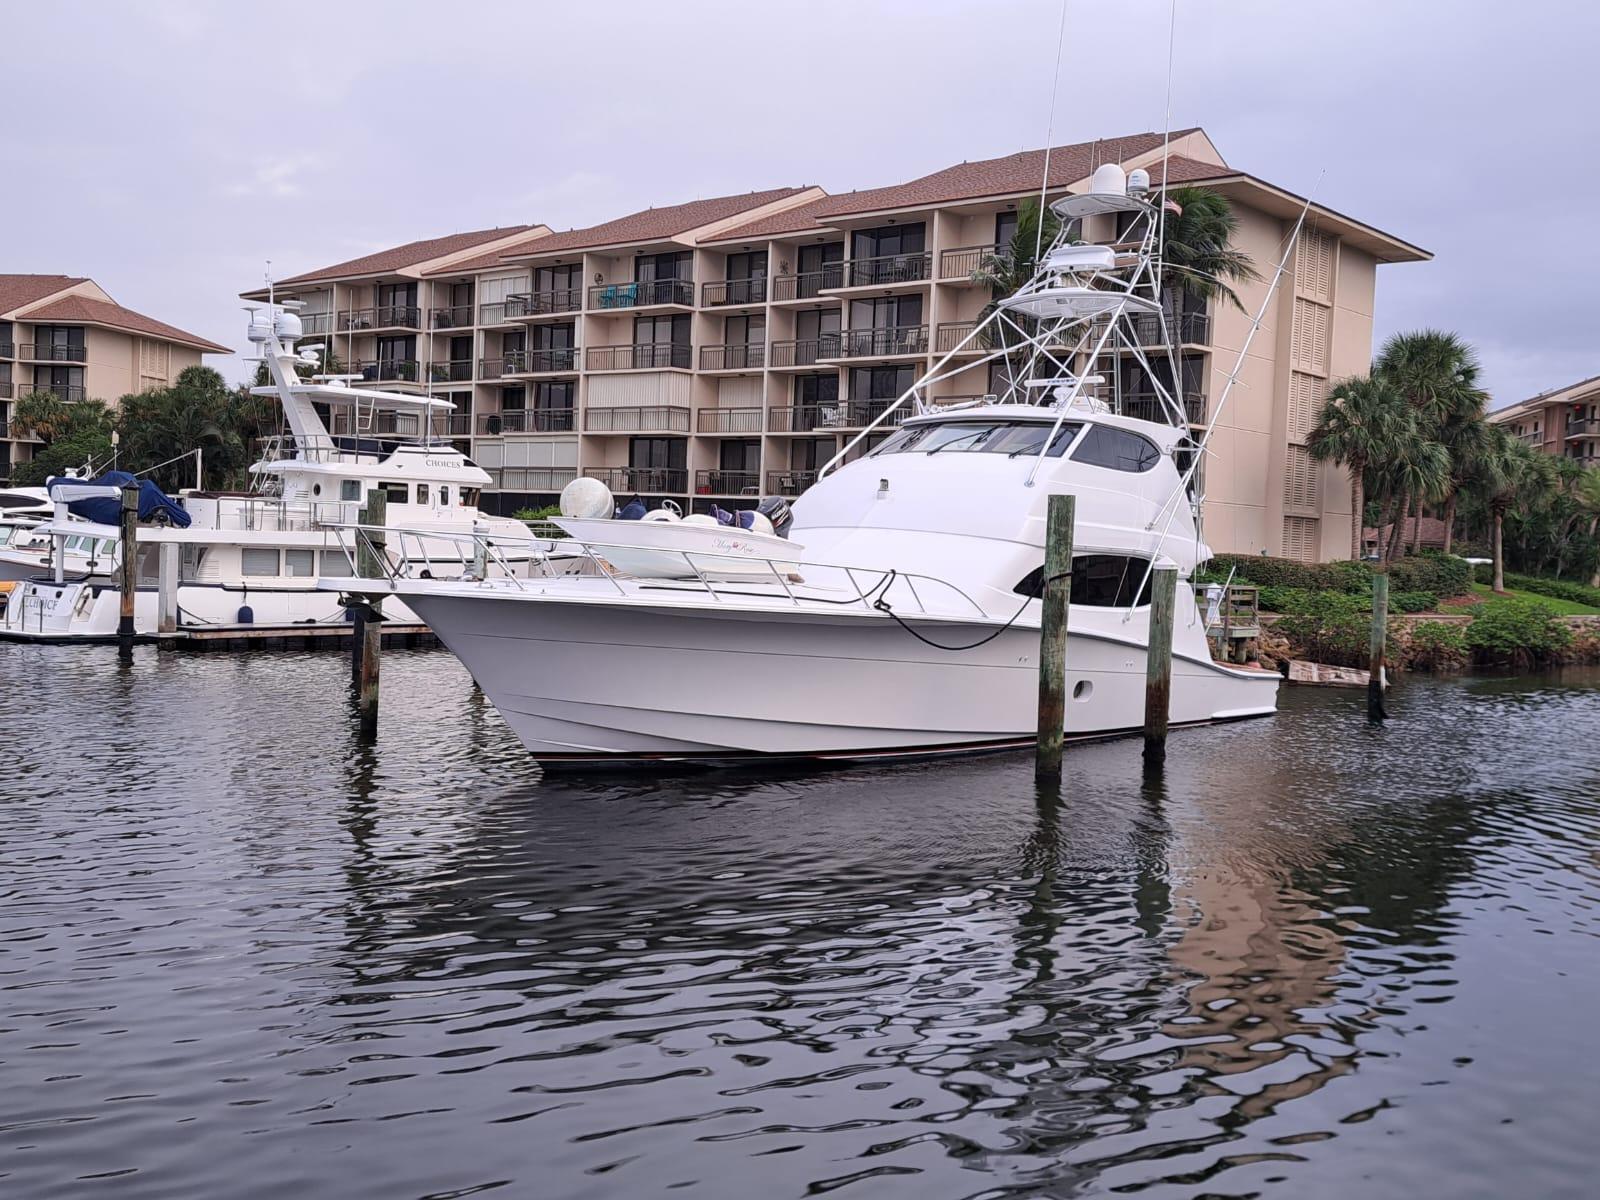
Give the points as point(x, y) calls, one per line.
point(776, 509)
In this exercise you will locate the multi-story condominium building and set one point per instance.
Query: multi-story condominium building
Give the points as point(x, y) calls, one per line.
point(63, 334)
point(727, 348)
point(1564, 422)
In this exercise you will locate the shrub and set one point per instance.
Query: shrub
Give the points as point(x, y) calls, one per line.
point(1560, 589)
point(1279, 599)
point(1331, 628)
point(1413, 602)
point(1443, 575)
point(1352, 577)
point(1434, 646)
point(1517, 631)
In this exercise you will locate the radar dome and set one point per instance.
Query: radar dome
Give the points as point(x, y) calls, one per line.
point(1108, 180)
point(1138, 182)
point(587, 498)
point(288, 327)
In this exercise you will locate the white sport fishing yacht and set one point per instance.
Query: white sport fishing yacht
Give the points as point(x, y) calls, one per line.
point(904, 616)
point(251, 559)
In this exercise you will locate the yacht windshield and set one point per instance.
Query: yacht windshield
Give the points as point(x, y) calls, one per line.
point(1011, 438)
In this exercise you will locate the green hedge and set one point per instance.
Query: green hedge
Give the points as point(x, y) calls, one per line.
point(1443, 575)
point(1560, 589)
point(1517, 630)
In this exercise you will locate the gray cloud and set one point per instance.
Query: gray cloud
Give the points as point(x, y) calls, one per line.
point(177, 145)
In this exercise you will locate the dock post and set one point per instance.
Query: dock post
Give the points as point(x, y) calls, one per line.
point(1380, 634)
point(1055, 591)
point(371, 541)
point(128, 577)
point(167, 591)
point(1158, 663)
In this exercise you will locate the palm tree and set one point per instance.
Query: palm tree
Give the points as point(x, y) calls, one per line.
point(199, 410)
point(1419, 468)
point(1356, 429)
point(1506, 470)
point(1004, 273)
point(1196, 249)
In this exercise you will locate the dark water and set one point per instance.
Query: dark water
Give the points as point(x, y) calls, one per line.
point(241, 956)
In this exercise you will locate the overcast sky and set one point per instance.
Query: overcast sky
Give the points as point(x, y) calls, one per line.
point(166, 148)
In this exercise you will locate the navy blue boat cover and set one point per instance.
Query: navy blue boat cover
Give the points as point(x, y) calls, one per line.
point(153, 502)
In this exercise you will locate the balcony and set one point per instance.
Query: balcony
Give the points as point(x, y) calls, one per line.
point(70, 392)
point(649, 418)
point(958, 263)
point(527, 420)
point(455, 371)
point(494, 313)
point(642, 356)
point(654, 480)
point(830, 418)
point(383, 316)
point(1533, 437)
point(789, 483)
point(1583, 427)
point(807, 285)
point(727, 483)
point(520, 305)
point(888, 342)
point(317, 324)
point(454, 316)
point(952, 333)
point(642, 294)
point(7, 350)
point(888, 270)
point(1190, 328)
point(728, 420)
point(531, 479)
point(49, 352)
point(733, 356)
point(6, 391)
point(734, 291)
point(1148, 406)
point(383, 370)
point(805, 352)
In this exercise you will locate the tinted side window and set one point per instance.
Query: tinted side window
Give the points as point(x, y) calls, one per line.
point(1116, 449)
point(1098, 581)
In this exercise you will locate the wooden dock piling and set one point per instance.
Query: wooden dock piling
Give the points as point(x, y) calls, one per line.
point(1056, 592)
point(1158, 663)
point(128, 576)
point(371, 543)
point(1380, 634)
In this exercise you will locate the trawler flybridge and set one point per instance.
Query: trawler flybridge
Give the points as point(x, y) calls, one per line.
point(252, 558)
point(903, 617)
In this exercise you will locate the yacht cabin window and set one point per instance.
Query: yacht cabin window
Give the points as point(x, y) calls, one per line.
point(397, 493)
point(422, 493)
point(336, 564)
point(254, 561)
point(444, 494)
point(299, 564)
point(350, 489)
point(1116, 450)
point(469, 497)
point(1098, 581)
point(980, 435)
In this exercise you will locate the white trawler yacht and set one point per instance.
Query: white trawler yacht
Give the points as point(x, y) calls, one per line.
point(251, 559)
point(903, 616)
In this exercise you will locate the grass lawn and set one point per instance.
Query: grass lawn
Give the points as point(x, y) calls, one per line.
point(1565, 608)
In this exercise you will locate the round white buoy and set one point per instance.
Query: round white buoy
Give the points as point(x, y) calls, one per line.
point(587, 498)
point(661, 514)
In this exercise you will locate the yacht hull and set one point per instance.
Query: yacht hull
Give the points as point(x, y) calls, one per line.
point(585, 682)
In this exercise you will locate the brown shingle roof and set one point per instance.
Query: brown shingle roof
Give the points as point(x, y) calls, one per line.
point(409, 255)
point(98, 312)
point(791, 220)
point(495, 258)
point(18, 290)
point(655, 224)
point(1182, 169)
point(998, 176)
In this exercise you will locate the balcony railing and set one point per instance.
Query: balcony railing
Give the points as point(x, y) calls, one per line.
point(453, 316)
point(952, 333)
point(527, 420)
point(805, 352)
point(382, 316)
point(888, 269)
point(727, 483)
point(657, 480)
point(71, 392)
point(729, 420)
point(734, 291)
point(6, 391)
point(404, 369)
point(643, 356)
point(734, 356)
point(808, 418)
point(543, 304)
point(1579, 427)
point(1533, 437)
point(883, 343)
point(456, 371)
point(789, 483)
point(317, 324)
point(648, 418)
point(960, 262)
point(49, 352)
point(807, 284)
point(494, 313)
point(642, 293)
point(7, 350)
point(1190, 328)
point(1148, 406)
point(531, 479)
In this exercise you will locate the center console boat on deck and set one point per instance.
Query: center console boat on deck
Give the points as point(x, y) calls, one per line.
point(903, 617)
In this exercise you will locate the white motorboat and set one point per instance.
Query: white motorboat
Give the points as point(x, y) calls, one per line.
point(252, 559)
point(904, 619)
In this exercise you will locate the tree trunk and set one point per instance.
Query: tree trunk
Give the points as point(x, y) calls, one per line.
point(1357, 503)
point(1385, 520)
point(1416, 530)
point(1450, 523)
point(1499, 559)
point(1398, 528)
point(1594, 580)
